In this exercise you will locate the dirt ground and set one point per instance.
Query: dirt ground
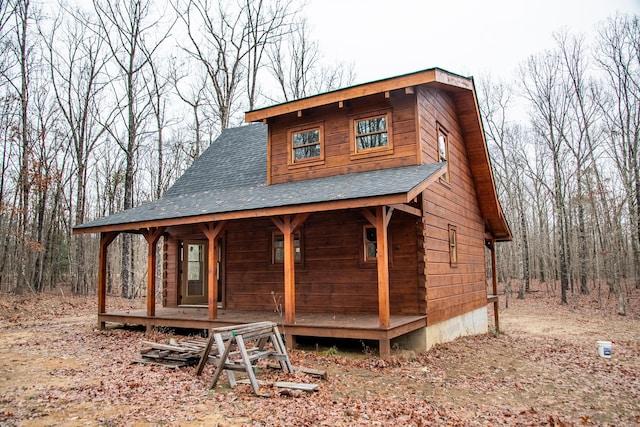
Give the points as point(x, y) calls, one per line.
point(543, 369)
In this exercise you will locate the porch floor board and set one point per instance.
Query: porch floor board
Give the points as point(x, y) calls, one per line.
point(356, 326)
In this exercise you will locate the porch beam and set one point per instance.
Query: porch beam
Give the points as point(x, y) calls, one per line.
point(212, 230)
point(287, 226)
point(105, 241)
point(408, 209)
point(152, 235)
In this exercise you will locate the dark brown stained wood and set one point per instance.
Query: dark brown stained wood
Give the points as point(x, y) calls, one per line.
point(287, 226)
point(152, 235)
point(170, 272)
point(332, 277)
point(450, 291)
point(211, 231)
point(105, 241)
point(338, 158)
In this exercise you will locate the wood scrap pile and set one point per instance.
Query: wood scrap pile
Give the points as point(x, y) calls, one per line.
point(173, 354)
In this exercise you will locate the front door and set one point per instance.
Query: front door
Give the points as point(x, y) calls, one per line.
point(194, 289)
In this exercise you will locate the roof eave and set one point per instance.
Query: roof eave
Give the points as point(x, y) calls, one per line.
point(432, 75)
point(252, 213)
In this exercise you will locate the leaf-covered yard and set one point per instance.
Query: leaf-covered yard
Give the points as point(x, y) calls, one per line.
point(56, 369)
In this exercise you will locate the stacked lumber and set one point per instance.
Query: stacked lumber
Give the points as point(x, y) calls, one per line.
point(173, 354)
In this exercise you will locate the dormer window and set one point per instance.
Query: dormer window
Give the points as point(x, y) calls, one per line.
point(371, 134)
point(306, 145)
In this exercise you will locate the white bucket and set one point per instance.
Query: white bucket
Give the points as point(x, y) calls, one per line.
point(604, 349)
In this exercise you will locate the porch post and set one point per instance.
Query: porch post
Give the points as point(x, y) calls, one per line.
point(494, 284)
point(288, 226)
point(382, 221)
point(212, 231)
point(289, 273)
point(152, 235)
point(105, 240)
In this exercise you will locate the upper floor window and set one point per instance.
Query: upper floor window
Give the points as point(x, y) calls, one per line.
point(372, 133)
point(443, 149)
point(306, 144)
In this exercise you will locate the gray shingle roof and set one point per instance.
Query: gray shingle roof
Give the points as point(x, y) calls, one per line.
point(230, 176)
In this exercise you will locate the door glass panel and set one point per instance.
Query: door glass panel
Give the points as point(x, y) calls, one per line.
point(195, 267)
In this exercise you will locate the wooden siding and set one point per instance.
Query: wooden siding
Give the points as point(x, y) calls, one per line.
point(170, 275)
point(450, 290)
point(332, 276)
point(337, 139)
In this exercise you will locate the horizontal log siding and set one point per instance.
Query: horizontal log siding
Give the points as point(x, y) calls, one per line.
point(450, 291)
point(170, 272)
point(332, 276)
point(337, 142)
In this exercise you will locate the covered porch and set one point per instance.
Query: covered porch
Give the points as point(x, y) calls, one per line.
point(330, 325)
point(379, 325)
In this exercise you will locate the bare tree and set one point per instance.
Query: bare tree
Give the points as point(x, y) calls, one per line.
point(509, 155)
point(618, 55)
point(268, 22)
point(133, 39)
point(544, 87)
point(16, 73)
point(218, 42)
point(77, 58)
point(296, 64)
point(195, 96)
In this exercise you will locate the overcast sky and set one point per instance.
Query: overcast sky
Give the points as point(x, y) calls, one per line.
point(385, 38)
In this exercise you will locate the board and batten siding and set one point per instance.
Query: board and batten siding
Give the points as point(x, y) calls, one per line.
point(337, 138)
point(450, 290)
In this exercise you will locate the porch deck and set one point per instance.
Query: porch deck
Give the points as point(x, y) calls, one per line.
point(351, 326)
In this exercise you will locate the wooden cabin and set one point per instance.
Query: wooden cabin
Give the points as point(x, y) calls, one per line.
point(361, 213)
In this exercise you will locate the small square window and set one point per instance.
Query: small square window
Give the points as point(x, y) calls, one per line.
point(453, 246)
point(278, 248)
point(371, 134)
point(306, 145)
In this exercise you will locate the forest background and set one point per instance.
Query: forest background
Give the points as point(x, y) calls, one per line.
point(104, 105)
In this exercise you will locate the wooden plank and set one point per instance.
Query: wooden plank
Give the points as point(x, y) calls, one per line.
point(247, 364)
point(220, 344)
point(204, 357)
point(313, 372)
point(296, 386)
point(223, 360)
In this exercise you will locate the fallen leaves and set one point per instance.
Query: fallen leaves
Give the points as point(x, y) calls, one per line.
point(55, 367)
